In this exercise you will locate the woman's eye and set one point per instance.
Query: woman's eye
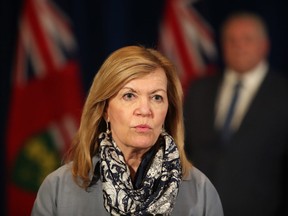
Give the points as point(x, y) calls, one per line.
point(158, 98)
point(128, 96)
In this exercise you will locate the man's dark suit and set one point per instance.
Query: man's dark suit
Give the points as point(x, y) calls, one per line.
point(250, 173)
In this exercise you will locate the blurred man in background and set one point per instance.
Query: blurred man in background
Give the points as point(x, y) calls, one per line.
point(237, 123)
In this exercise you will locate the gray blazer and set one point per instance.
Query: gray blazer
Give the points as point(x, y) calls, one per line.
point(59, 195)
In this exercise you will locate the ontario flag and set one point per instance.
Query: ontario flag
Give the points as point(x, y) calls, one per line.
point(187, 40)
point(46, 101)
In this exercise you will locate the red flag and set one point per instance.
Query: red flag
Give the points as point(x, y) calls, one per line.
point(187, 40)
point(46, 101)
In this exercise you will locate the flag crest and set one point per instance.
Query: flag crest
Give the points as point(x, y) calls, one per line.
point(46, 101)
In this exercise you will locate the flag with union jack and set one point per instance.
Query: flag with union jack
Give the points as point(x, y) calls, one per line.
point(46, 101)
point(187, 40)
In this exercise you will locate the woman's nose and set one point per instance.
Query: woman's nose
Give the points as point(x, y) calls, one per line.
point(144, 107)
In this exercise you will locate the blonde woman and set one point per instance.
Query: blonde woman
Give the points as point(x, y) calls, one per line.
point(128, 155)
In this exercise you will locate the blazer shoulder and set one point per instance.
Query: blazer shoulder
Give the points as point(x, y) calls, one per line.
point(276, 83)
point(197, 188)
point(204, 83)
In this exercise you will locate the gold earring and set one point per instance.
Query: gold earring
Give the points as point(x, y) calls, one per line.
point(108, 131)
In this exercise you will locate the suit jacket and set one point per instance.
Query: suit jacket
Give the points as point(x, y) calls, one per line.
point(250, 172)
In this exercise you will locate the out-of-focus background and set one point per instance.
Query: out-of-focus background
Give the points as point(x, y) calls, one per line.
point(49, 54)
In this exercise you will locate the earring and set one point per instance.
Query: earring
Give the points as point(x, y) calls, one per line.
point(108, 131)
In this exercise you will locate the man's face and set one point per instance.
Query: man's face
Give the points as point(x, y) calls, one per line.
point(244, 44)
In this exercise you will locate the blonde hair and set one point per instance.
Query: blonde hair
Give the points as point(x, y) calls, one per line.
point(121, 67)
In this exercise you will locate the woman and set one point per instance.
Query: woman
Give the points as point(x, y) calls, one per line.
point(128, 155)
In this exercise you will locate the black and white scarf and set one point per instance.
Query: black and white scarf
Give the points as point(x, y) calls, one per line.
point(159, 186)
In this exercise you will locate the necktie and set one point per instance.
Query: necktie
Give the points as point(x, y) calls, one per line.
point(226, 131)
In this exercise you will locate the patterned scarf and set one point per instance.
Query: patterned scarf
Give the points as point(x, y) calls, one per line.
point(159, 187)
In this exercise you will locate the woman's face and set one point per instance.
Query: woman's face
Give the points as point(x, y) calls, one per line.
point(137, 113)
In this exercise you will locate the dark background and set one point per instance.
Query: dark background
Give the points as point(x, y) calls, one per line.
point(101, 26)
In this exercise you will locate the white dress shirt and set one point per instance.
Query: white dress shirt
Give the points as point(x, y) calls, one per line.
point(251, 81)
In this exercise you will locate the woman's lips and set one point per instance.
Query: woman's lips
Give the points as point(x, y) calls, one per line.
point(142, 128)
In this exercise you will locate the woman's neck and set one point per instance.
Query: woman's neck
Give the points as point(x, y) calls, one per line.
point(133, 157)
point(133, 160)
point(133, 165)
